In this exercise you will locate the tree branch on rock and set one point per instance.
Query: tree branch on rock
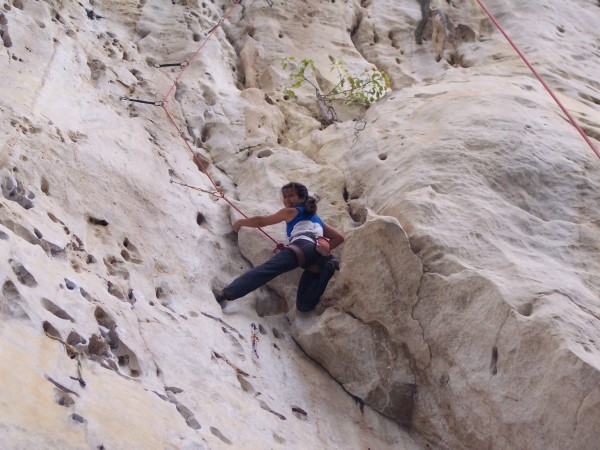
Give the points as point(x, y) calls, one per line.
point(363, 89)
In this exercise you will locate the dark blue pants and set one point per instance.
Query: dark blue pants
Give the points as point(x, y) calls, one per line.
point(311, 286)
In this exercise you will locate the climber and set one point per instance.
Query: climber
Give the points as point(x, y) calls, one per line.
point(304, 230)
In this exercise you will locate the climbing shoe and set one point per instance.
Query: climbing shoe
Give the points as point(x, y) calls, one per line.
point(333, 263)
point(220, 296)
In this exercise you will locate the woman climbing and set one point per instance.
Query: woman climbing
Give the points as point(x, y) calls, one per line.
point(303, 229)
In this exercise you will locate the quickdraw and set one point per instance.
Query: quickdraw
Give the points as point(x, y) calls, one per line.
point(137, 100)
point(254, 339)
point(218, 193)
point(179, 64)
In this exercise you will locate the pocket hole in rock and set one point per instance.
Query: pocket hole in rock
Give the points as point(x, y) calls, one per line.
point(75, 339)
point(49, 329)
point(494, 362)
point(56, 310)
point(299, 413)
point(77, 418)
point(23, 275)
point(220, 435)
point(70, 285)
point(95, 221)
point(45, 186)
point(264, 153)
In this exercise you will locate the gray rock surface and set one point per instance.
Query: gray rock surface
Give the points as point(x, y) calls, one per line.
point(467, 310)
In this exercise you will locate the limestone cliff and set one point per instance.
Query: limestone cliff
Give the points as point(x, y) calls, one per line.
point(467, 310)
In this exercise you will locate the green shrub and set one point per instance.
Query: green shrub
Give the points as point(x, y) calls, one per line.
point(365, 88)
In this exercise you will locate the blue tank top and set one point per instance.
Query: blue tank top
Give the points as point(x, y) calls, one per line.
point(303, 226)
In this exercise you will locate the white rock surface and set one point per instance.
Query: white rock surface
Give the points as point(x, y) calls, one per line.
point(467, 310)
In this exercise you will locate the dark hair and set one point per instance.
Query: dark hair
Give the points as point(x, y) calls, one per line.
point(309, 203)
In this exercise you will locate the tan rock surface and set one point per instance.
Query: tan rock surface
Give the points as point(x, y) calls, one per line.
point(468, 304)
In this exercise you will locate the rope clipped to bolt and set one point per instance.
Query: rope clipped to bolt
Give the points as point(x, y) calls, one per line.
point(218, 193)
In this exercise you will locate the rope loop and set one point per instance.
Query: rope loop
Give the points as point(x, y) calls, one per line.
point(72, 353)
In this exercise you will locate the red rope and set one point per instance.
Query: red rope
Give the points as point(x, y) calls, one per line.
point(219, 191)
point(212, 32)
point(558, 102)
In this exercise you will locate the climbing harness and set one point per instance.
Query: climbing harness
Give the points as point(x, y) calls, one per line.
point(300, 258)
point(323, 247)
point(72, 353)
point(254, 339)
point(540, 79)
point(321, 242)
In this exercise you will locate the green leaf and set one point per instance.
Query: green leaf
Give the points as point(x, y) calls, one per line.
point(367, 87)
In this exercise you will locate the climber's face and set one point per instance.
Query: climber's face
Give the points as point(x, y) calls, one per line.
point(290, 198)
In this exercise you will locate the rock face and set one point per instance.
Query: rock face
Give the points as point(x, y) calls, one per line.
point(467, 310)
point(367, 325)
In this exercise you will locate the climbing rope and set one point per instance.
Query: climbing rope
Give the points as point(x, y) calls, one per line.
point(218, 193)
point(201, 46)
point(214, 195)
point(73, 353)
point(541, 80)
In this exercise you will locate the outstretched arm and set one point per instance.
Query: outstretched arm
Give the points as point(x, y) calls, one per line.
point(283, 215)
point(335, 237)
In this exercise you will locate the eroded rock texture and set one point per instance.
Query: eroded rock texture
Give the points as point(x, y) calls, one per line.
point(467, 310)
